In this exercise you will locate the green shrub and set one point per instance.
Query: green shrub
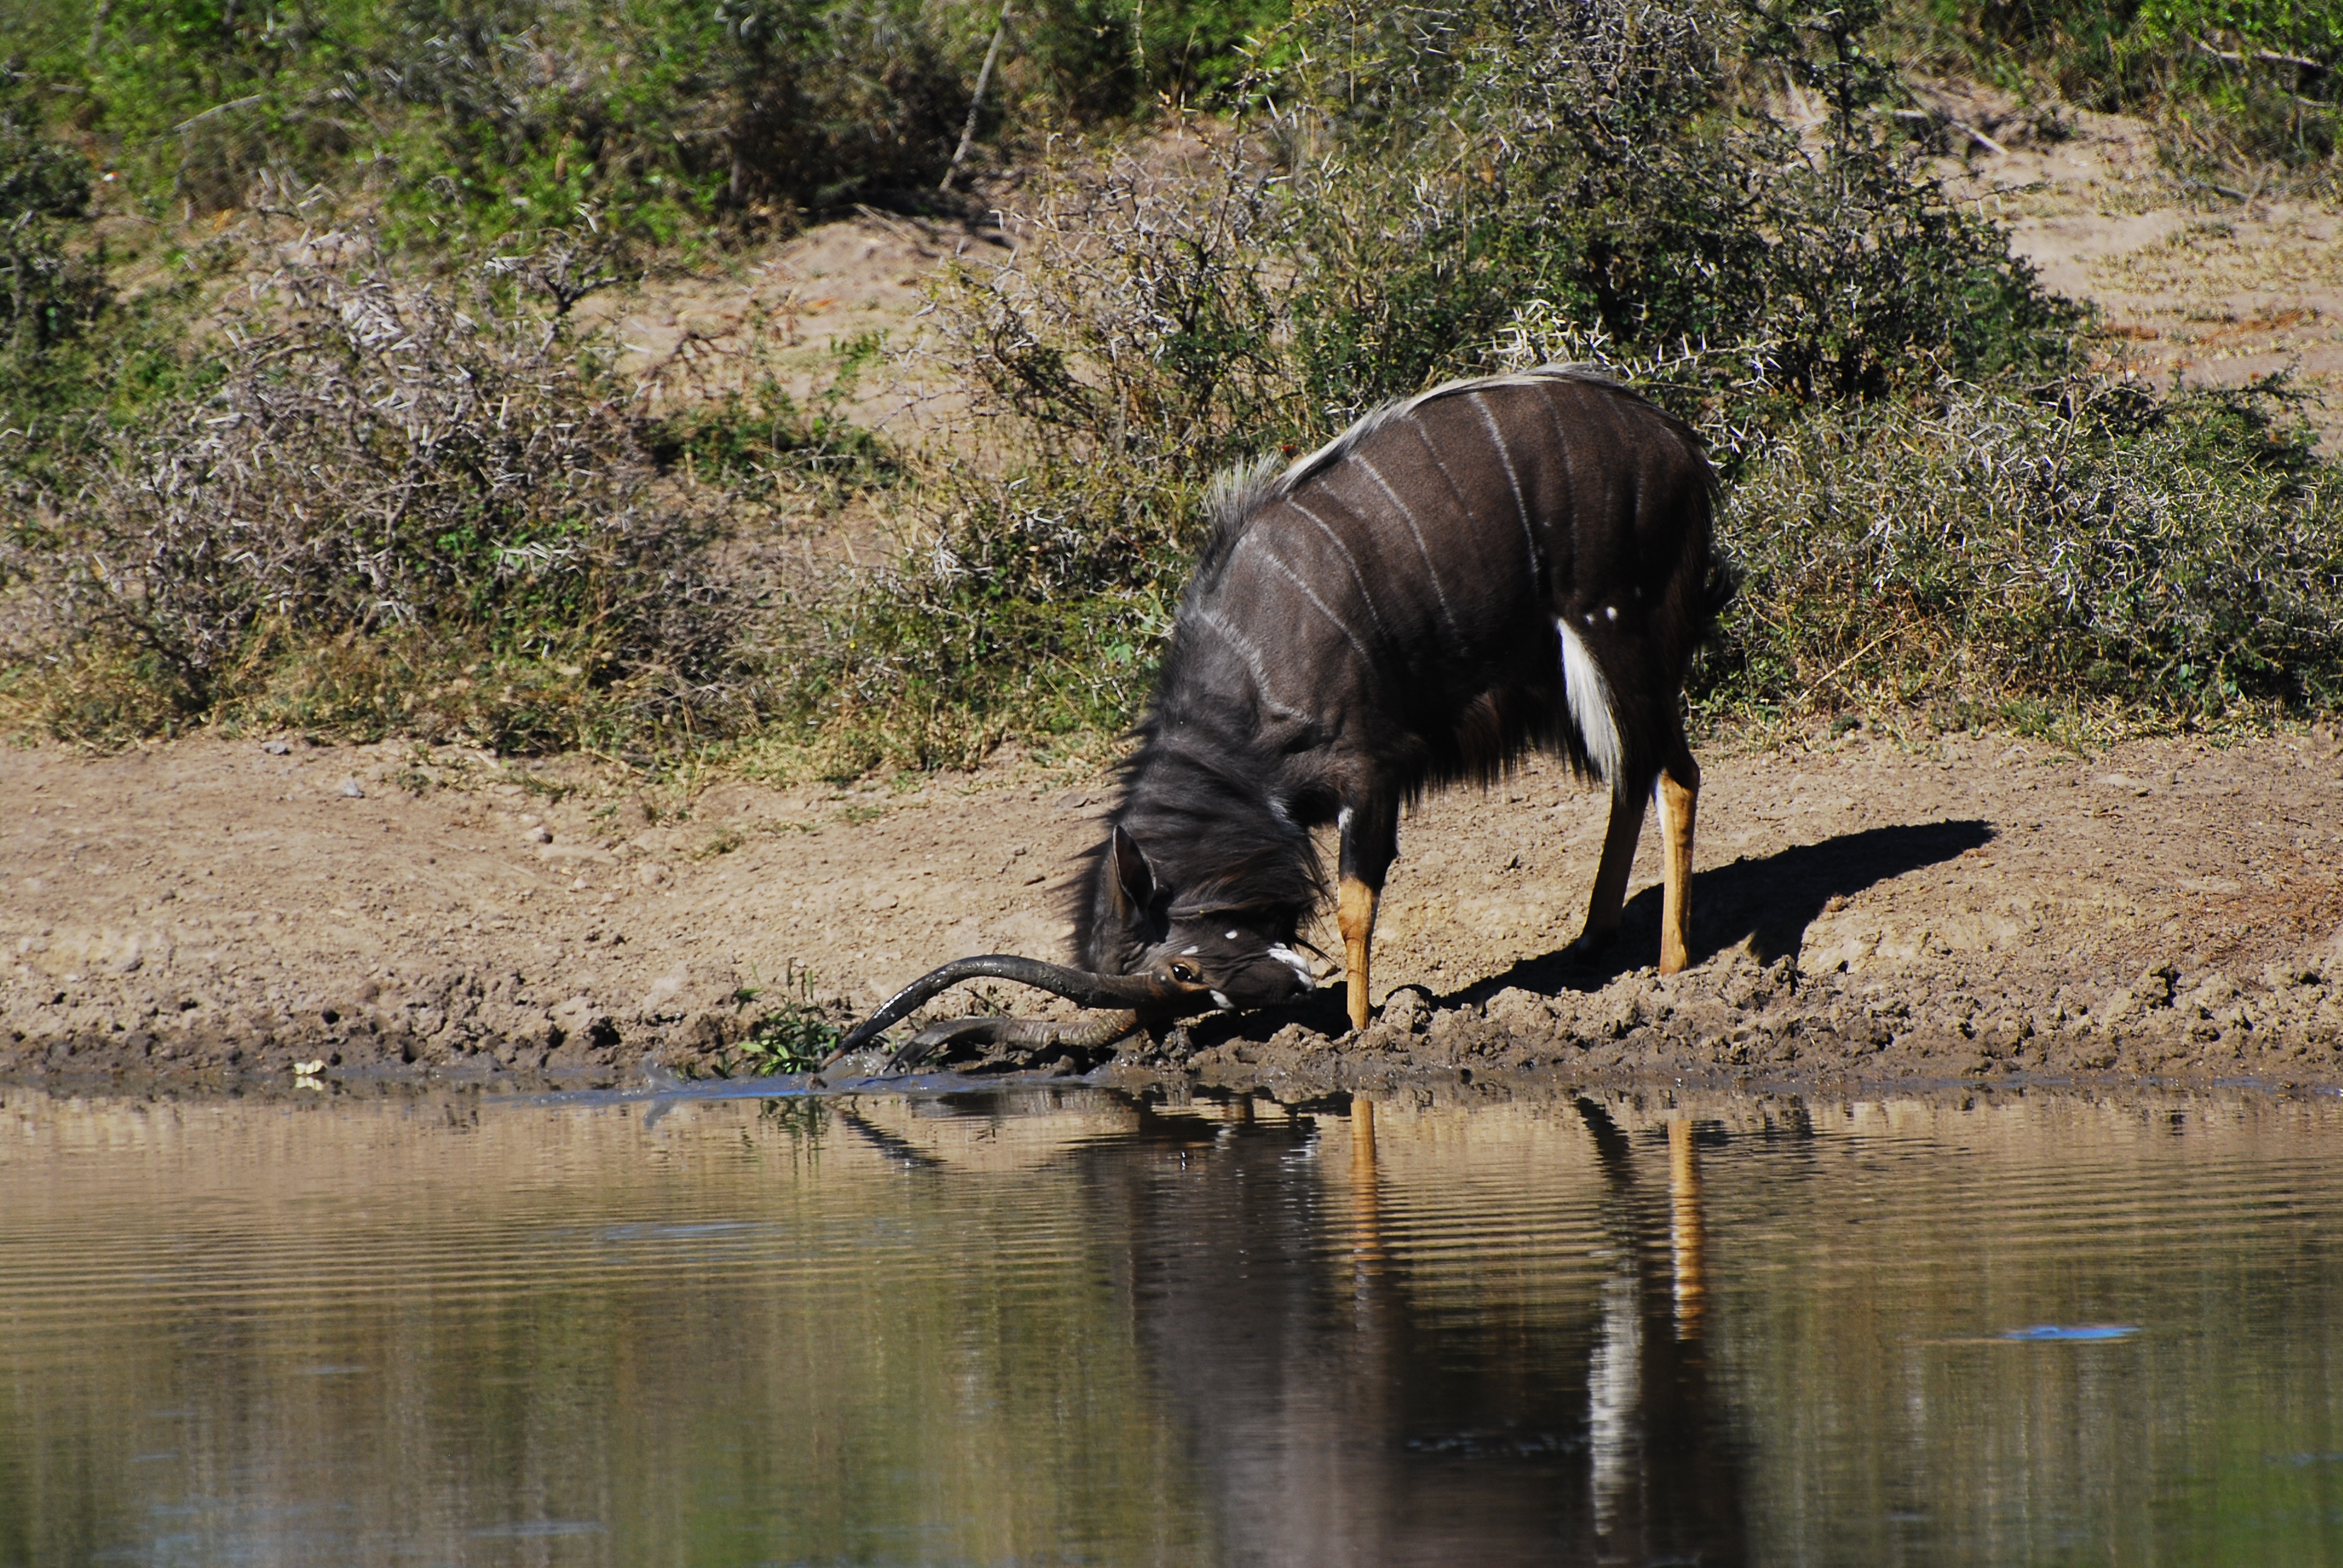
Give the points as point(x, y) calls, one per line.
point(73, 353)
point(484, 116)
point(46, 294)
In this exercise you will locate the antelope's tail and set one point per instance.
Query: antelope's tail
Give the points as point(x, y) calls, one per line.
point(1594, 708)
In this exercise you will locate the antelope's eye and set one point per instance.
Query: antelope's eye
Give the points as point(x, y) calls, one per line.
point(1185, 973)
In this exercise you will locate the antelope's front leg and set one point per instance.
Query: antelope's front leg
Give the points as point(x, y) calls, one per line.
point(1370, 845)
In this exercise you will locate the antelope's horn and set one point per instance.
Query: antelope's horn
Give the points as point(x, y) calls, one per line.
point(1143, 993)
point(1031, 1033)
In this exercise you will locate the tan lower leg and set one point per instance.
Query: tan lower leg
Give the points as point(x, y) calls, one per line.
point(1355, 911)
point(1611, 878)
point(1678, 800)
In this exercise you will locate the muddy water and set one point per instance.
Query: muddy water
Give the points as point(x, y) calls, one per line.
point(1062, 1326)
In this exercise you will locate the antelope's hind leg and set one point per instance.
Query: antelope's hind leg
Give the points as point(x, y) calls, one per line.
point(1679, 800)
point(1370, 843)
point(1609, 895)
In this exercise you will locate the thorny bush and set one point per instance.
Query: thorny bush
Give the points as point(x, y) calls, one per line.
point(2013, 552)
point(407, 505)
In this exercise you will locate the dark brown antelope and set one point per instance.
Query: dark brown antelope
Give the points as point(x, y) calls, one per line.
point(1499, 565)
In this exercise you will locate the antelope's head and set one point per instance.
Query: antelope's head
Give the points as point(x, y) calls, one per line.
point(1241, 948)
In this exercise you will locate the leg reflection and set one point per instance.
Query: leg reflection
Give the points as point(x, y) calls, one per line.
point(1664, 1479)
point(1366, 1222)
point(1687, 1239)
point(1374, 1363)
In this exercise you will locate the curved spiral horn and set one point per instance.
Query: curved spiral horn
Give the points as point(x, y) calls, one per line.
point(1144, 993)
point(1025, 1033)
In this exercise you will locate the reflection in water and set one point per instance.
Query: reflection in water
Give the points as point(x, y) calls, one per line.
point(1339, 1417)
point(1686, 1239)
point(1051, 1325)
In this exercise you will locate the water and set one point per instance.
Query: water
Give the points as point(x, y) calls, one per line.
point(1064, 1327)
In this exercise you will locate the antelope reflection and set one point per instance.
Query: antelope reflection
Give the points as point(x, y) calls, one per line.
point(1343, 1406)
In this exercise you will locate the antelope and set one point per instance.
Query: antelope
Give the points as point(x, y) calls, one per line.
point(1496, 566)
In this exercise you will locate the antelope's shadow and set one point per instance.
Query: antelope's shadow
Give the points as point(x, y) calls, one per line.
point(1768, 902)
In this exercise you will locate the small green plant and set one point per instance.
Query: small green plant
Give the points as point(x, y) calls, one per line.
point(737, 425)
point(722, 841)
point(788, 1032)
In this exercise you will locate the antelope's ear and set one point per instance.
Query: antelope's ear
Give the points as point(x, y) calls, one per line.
point(1134, 878)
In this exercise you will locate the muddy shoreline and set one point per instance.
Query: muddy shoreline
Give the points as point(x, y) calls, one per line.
point(1739, 1026)
point(1868, 904)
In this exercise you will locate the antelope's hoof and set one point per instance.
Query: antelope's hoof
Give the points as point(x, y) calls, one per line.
point(1592, 944)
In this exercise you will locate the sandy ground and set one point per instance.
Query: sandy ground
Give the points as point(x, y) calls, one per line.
point(1964, 908)
point(1969, 907)
point(2199, 284)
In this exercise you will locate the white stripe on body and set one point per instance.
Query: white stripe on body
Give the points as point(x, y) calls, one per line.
point(1421, 548)
point(1592, 708)
point(1448, 479)
point(1505, 457)
point(1349, 560)
point(1253, 662)
point(1276, 563)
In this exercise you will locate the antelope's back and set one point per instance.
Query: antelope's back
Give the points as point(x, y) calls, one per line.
point(1415, 566)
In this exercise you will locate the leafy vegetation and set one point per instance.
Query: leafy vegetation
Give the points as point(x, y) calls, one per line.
point(358, 465)
point(2238, 86)
point(478, 117)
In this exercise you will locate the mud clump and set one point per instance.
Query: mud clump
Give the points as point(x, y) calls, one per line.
point(1740, 1019)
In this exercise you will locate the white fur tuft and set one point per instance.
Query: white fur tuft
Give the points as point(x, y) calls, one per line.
point(1294, 962)
point(1591, 705)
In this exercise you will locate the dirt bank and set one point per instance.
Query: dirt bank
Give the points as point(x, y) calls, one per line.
point(1964, 908)
point(1969, 907)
